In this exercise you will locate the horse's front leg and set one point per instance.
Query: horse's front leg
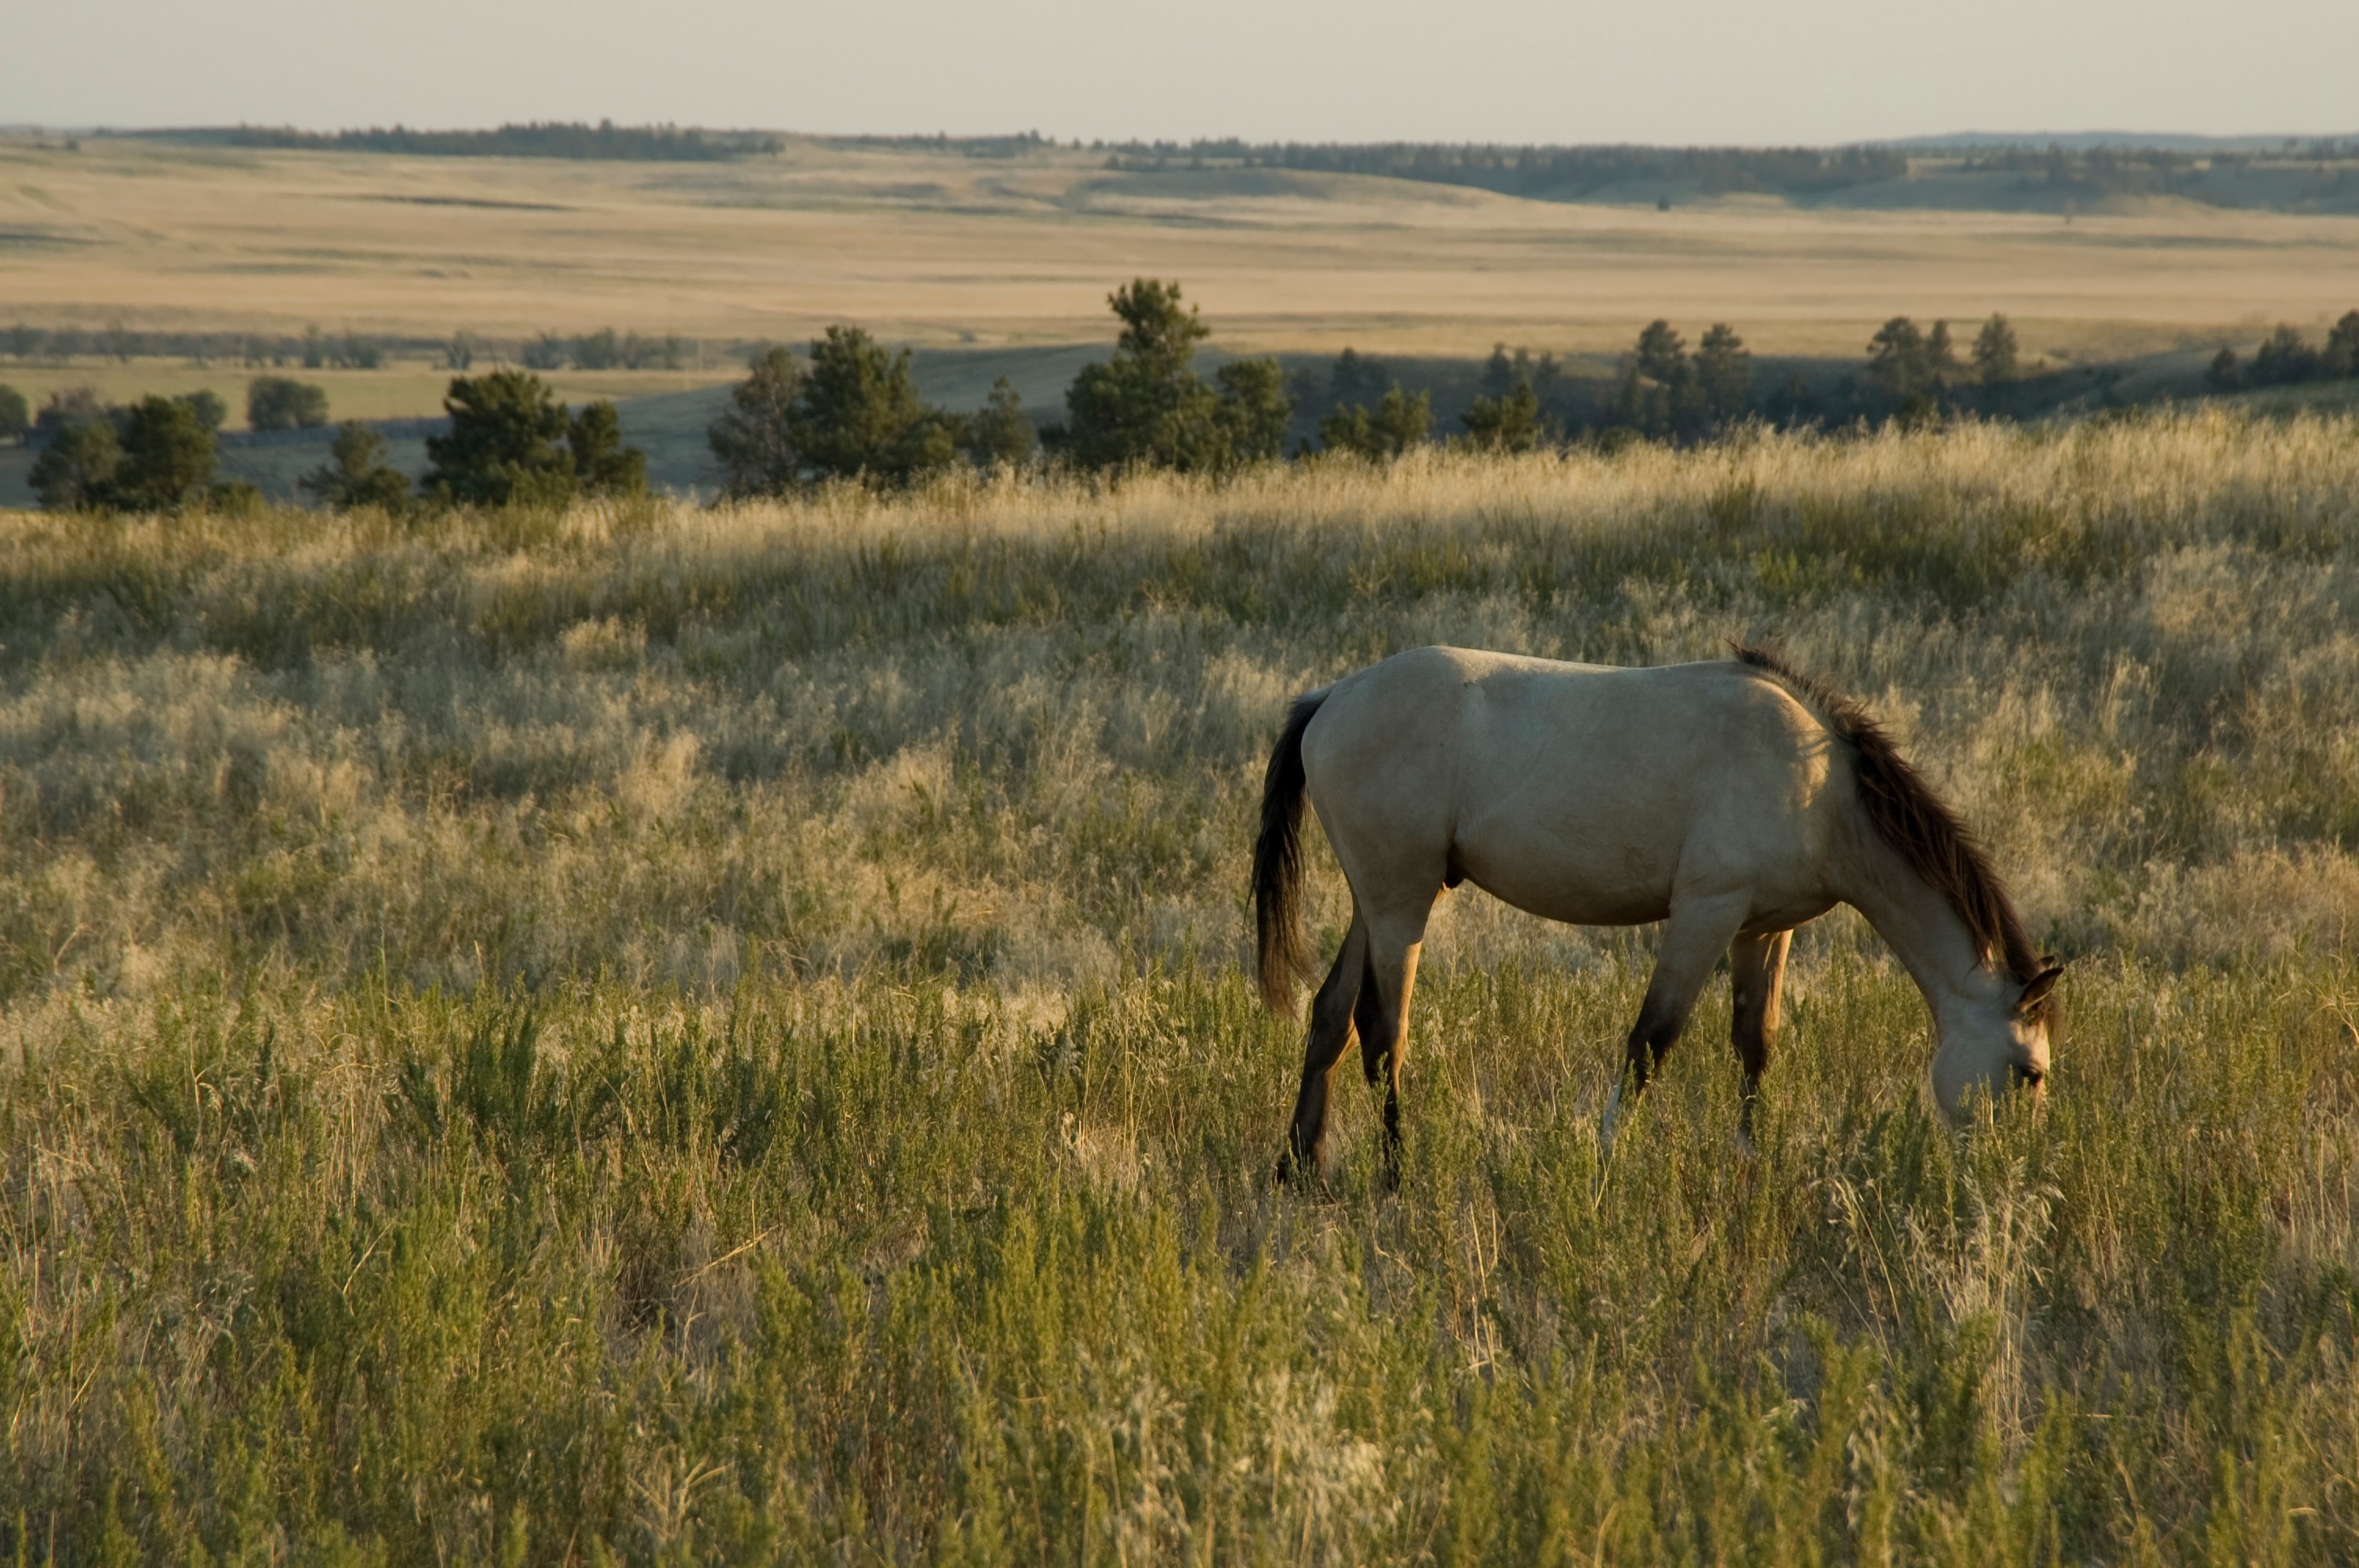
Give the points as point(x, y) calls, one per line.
point(1697, 932)
point(1756, 967)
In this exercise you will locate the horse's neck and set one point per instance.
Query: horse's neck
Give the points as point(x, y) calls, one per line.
point(1923, 929)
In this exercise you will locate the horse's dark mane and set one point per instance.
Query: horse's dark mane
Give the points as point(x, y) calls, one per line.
point(1912, 818)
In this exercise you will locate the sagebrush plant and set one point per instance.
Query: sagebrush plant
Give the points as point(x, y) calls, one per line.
point(654, 1033)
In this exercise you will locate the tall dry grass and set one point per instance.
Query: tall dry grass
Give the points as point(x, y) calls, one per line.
point(669, 1033)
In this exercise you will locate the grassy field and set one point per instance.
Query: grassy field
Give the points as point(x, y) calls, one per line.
point(670, 1035)
point(944, 250)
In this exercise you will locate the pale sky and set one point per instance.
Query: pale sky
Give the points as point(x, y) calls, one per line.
point(1679, 72)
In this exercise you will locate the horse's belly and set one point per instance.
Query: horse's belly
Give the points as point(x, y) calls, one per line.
point(1630, 886)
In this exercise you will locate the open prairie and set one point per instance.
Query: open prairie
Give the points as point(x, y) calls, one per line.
point(937, 248)
point(670, 1034)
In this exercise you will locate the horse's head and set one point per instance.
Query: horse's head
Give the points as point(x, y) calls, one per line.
point(1998, 1048)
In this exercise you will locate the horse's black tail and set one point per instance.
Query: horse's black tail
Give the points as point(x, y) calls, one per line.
point(1278, 863)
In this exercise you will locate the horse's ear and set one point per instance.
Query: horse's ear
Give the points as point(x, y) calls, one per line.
point(2037, 991)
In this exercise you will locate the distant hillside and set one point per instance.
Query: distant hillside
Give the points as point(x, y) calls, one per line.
point(2281, 175)
point(603, 141)
point(2087, 141)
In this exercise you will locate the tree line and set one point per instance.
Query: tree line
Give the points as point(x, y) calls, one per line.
point(2285, 357)
point(1575, 173)
point(510, 443)
point(851, 409)
point(604, 141)
point(315, 349)
point(1560, 173)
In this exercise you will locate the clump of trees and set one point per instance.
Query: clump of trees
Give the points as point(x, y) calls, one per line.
point(1373, 417)
point(282, 402)
point(850, 409)
point(15, 415)
point(1668, 394)
point(512, 443)
point(1147, 408)
point(851, 412)
point(603, 350)
point(155, 455)
point(348, 351)
point(1396, 423)
point(2285, 357)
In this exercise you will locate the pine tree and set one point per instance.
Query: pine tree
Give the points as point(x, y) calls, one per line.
point(168, 457)
point(1509, 423)
point(1145, 403)
point(857, 414)
point(2342, 355)
point(1897, 363)
point(1941, 368)
point(1995, 352)
point(1723, 371)
point(507, 445)
point(1250, 411)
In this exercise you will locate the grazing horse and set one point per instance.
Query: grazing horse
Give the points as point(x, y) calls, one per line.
point(1733, 800)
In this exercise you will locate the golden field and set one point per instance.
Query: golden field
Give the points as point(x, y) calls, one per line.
point(937, 248)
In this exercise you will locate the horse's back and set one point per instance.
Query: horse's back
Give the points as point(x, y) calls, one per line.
point(1586, 792)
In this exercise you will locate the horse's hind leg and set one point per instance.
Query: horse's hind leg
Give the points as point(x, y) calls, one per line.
point(1383, 1019)
point(1331, 1029)
point(1756, 968)
point(1698, 932)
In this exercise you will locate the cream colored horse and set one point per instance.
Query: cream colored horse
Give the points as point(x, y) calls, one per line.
point(1732, 800)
